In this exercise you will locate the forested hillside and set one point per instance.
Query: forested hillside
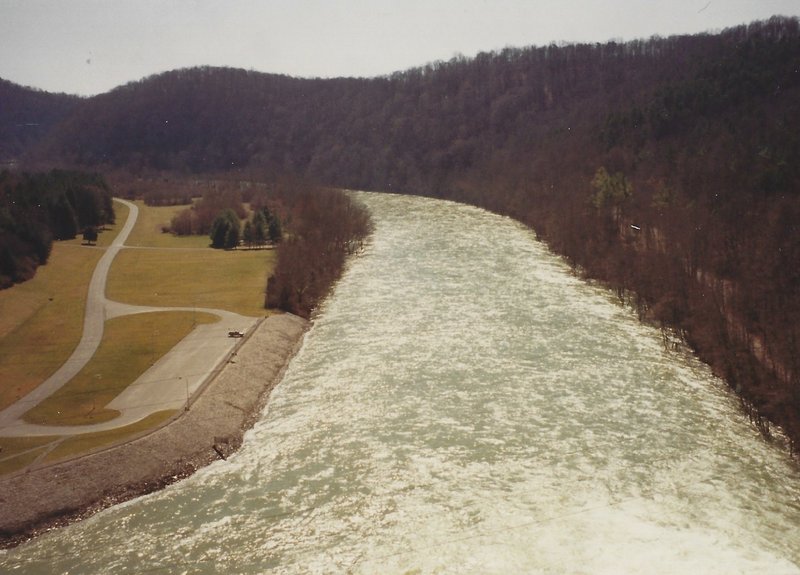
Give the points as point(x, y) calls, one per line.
point(26, 116)
point(667, 168)
point(409, 131)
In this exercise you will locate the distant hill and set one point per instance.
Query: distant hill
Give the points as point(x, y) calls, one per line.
point(669, 168)
point(26, 116)
point(401, 132)
point(412, 130)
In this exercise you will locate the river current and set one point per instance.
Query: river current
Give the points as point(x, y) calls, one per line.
point(464, 404)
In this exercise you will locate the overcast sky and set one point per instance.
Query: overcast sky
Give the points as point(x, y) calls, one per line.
point(90, 46)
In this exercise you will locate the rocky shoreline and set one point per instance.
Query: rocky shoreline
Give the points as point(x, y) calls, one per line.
point(39, 500)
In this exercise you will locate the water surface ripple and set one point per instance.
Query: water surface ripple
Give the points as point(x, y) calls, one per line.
point(463, 404)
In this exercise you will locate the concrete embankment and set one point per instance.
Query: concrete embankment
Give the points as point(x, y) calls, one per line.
point(34, 501)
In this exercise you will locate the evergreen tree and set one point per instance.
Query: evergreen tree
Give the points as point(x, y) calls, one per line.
point(247, 234)
point(219, 229)
point(275, 231)
point(232, 235)
point(63, 219)
point(225, 230)
point(90, 234)
point(260, 219)
point(37, 208)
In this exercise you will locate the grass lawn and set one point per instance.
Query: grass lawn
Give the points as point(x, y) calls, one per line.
point(152, 219)
point(127, 351)
point(232, 280)
point(187, 272)
point(41, 321)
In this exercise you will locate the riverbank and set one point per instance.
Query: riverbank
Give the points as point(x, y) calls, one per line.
point(36, 501)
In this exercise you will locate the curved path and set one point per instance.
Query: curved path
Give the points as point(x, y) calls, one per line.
point(168, 384)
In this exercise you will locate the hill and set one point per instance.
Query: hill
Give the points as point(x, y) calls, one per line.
point(401, 132)
point(26, 116)
point(668, 168)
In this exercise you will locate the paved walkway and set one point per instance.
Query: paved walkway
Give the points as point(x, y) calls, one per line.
point(168, 384)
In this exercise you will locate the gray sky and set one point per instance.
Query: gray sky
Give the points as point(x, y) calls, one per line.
point(90, 46)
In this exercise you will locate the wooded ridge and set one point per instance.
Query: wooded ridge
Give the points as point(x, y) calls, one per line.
point(668, 168)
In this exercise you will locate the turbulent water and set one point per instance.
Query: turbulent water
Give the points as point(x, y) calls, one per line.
point(463, 404)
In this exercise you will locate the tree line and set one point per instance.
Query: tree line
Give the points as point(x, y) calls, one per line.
point(228, 232)
point(37, 208)
point(326, 227)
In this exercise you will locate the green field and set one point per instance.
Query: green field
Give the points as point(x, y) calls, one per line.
point(129, 348)
point(232, 280)
point(41, 319)
point(41, 322)
point(185, 271)
point(148, 231)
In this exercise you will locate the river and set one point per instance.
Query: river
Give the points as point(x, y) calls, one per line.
point(464, 404)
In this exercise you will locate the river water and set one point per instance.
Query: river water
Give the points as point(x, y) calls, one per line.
point(463, 404)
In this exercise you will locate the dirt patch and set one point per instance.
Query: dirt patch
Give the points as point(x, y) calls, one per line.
point(39, 500)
